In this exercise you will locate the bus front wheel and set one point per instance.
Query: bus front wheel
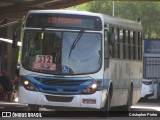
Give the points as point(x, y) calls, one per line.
point(108, 102)
point(129, 102)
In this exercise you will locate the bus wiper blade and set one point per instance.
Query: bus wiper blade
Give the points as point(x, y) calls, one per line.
point(75, 42)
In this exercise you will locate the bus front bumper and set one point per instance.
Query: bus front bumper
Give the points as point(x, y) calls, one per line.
point(76, 101)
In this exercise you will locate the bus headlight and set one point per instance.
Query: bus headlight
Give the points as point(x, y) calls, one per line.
point(26, 82)
point(92, 88)
point(28, 85)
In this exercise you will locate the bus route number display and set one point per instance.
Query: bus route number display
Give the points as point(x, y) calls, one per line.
point(43, 58)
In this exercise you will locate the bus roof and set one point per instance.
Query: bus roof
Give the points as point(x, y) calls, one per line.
point(117, 22)
point(123, 23)
point(65, 12)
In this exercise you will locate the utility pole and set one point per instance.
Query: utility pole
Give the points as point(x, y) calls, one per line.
point(113, 8)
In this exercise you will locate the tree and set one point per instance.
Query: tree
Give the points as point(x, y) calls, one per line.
point(147, 11)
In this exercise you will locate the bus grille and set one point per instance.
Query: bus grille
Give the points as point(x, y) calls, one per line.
point(58, 98)
point(59, 82)
point(61, 86)
point(63, 91)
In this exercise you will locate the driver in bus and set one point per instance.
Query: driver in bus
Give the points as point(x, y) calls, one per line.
point(58, 53)
point(36, 47)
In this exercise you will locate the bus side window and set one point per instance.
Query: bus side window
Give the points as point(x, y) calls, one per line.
point(106, 44)
point(106, 49)
point(111, 44)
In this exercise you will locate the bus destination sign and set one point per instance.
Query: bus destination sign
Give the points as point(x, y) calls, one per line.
point(62, 21)
point(57, 20)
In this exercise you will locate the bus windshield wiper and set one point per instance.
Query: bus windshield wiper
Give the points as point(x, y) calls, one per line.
point(75, 42)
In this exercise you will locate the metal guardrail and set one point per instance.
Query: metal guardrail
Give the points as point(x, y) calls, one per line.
point(151, 68)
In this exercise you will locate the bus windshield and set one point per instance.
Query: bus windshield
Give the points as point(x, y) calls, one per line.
point(51, 52)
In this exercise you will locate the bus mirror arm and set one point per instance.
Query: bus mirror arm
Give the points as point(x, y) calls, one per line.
point(15, 40)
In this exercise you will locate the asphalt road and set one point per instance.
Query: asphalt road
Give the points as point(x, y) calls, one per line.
point(148, 110)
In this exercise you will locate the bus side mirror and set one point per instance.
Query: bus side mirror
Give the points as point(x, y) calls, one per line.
point(15, 41)
point(111, 38)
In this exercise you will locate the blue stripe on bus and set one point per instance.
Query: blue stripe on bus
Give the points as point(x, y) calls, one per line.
point(64, 89)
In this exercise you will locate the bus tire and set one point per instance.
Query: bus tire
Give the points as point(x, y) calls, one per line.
point(33, 107)
point(108, 102)
point(129, 101)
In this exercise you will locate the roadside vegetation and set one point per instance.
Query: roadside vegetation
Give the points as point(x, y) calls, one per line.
point(147, 11)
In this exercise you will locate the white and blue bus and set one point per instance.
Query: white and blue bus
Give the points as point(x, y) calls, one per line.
point(77, 59)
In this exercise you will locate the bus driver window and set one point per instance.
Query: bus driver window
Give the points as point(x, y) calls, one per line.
point(57, 53)
point(36, 47)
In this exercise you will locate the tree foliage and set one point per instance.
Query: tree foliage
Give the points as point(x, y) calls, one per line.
point(147, 11)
